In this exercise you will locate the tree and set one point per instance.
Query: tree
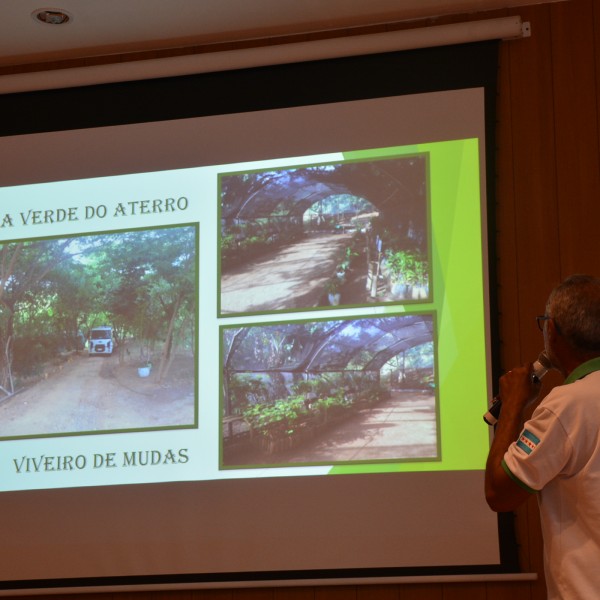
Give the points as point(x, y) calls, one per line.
point(52, 289)
point(24, 271)
point(153, 289)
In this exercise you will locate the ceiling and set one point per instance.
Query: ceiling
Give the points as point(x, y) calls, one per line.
point(105, 27)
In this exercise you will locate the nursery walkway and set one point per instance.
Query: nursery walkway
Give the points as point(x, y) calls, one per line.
point(292, 278)
point(402, 427)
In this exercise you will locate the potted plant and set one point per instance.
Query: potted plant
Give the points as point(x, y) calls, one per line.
point(421, 285)
point(400, 266)
point(340, 272)
point(332, 287)
point(144, 369)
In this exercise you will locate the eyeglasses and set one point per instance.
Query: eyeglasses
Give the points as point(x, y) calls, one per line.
point(540, 321)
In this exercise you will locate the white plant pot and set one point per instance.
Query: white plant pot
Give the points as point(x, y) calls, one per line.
point(334, 299)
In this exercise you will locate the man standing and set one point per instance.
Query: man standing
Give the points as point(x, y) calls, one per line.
point(557, 452)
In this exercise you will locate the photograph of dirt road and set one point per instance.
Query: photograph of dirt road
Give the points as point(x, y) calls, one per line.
point(98, 333)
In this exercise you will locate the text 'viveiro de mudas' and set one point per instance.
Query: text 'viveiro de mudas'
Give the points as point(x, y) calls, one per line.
point(107, 460)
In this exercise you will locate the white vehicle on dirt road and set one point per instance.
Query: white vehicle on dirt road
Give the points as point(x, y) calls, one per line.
point(101, 341)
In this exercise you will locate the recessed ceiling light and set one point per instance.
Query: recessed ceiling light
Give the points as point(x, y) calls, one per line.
point(51, 16)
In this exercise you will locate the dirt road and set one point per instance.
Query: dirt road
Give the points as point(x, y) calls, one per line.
point(96, 394)
point(293, 277)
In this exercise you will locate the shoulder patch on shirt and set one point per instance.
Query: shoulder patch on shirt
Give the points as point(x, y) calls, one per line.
point(527, 441)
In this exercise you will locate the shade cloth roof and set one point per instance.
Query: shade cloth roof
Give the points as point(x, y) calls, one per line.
point(325, 346)
point(388, 184)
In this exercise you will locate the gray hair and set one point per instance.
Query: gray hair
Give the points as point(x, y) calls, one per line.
point(574, 305)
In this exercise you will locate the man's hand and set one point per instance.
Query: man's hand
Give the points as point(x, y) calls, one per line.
point(517, 390)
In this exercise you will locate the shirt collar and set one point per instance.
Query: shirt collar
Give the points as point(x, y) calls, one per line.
point(584, 369)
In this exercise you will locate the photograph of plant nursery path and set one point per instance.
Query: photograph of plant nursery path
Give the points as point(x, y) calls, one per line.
point(337, 391)
point(353, 233)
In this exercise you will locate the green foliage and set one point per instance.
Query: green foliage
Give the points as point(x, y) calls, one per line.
point(373, 394)
point(420, 378)
point(306, 386)
point(319, 386)
point(243, 241)
point(59, 287)
point(332, 404)
point(407, 266)
point(338, 203)
point(333, 285)
point(282, 417)
point(243, 388)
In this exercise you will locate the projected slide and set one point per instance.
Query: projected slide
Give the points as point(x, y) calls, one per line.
point(286, 317)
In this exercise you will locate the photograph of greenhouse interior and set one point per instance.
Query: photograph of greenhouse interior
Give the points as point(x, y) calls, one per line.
point(329, 392)
point(349, 234)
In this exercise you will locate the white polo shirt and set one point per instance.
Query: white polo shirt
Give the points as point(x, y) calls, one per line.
point(558, 454)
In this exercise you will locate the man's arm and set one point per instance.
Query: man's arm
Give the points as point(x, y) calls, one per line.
point(516, 390)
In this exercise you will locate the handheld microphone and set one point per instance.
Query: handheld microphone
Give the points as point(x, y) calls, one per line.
point(540, 367)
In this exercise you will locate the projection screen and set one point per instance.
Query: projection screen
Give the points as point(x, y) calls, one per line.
point(246, 335)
